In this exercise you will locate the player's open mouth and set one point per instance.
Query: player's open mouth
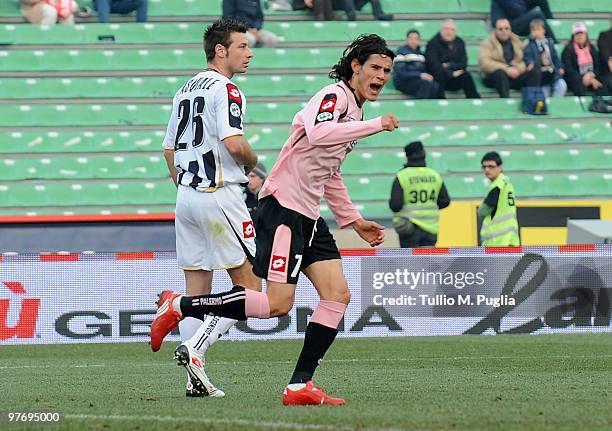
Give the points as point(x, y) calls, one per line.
point(375, 87)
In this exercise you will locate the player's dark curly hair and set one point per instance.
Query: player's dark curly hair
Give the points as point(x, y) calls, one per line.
point(361, 48)
point(219, 32)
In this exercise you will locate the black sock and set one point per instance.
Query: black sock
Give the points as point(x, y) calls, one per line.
point(317, 341)
point(227, 304)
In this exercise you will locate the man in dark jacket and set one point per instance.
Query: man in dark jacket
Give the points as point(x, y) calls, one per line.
point(250, 13)
point(520, 13)
point(604, 44)
point(352, 6)
point(446, 60)
point(409, 74)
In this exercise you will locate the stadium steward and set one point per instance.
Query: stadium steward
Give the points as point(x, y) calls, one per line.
point(498, 210)
point(417, 196)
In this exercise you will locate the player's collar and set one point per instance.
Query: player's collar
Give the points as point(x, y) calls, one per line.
point(352, 91)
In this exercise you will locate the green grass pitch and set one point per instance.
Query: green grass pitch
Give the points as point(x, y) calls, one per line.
point(511, 382)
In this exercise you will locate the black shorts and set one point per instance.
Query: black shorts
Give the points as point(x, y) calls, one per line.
point(288, 242)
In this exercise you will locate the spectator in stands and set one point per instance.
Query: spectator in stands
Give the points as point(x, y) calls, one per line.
point(323, 9)
point(446, 60)
point(106, 7)
point(49, 12)
point(581, 60)
point(409, 72)
point(352, 6)
point(417, 196)
point(501, 61)
point(499, 225)
point(604, 44)
point(250, 13)
point(251, 192)
point(540, 54)
point(520, 13)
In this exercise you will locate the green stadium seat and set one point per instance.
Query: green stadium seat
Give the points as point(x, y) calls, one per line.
point(88, 193)
point(191, 33)
point(557, 6)
point(52, 115)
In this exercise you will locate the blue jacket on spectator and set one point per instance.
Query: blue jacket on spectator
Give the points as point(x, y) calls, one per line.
point(408, 64)
point(509, 9)
point(531, 55)
point(246, 11)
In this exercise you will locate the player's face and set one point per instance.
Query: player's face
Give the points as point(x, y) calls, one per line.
point(238, 53)
point(370, 78)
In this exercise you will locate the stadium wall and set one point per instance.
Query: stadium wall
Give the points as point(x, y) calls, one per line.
point(101, 298)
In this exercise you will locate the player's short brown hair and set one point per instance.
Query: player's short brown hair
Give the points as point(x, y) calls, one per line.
point(219, 32)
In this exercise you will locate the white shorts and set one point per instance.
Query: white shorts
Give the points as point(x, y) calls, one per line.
point(213, 230)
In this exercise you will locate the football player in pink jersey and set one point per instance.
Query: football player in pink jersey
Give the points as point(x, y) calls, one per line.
point(291, 234)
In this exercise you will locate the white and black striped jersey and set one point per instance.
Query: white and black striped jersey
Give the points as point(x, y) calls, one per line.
point(206, 110)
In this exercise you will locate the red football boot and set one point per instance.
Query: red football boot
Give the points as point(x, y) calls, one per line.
point(166, 319)
point(311, 395)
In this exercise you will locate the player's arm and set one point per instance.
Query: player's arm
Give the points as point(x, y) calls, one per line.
point(241, 151)
point(169, 144)
point(346, 214)
point(169, 156)
point(229, 110)
point(321, 116)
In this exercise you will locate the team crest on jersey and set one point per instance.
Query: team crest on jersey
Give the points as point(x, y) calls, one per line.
point(326, 109)
point(234, 103)
point(248, 231)
point(278, 263)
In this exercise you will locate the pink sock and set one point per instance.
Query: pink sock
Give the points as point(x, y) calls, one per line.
point(256, 304)
point(328, 313)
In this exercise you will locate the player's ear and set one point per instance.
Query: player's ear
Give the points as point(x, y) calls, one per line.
point(220, 50)
point(356, 66)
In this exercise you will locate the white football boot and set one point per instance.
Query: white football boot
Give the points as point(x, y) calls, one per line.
point(194, 364)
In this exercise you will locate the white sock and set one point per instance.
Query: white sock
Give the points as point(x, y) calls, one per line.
point(296, 386)
point(187, 327)
point(209, 332)
point(176, 304)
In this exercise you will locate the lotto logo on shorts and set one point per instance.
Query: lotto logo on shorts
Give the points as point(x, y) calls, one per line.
point(279, 263)
point(248, 231)
point(326, 109)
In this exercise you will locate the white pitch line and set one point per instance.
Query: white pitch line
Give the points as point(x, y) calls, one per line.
point(245, 422)
point(348, 360)
point(17, 367)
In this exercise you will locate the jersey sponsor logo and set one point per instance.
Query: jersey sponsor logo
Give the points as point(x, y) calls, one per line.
point(324, 116)
point(233, 93)
point(279, 263)
point(248, 231)
point(235, 110)
point(326, 109)
point(234, 106)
